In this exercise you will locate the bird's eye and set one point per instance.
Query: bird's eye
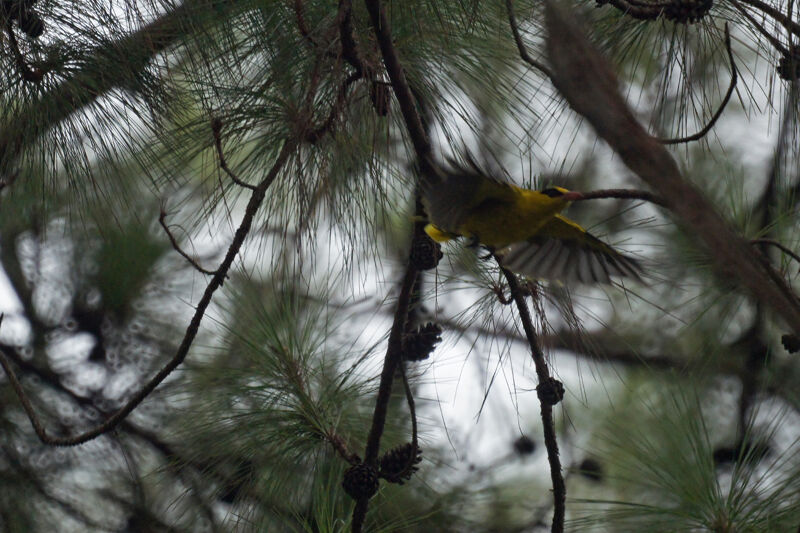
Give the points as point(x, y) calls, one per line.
point(552, 192)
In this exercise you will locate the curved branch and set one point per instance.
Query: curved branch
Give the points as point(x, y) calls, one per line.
point(412, 409)
point(162, 220)
point(734, 78)
point(216, 129)
point(523, 52)
point(778, 245)
point(347, 36)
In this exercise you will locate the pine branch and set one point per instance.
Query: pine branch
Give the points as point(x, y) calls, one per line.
point(584, 78)
point(100, 74)
point(256, 199)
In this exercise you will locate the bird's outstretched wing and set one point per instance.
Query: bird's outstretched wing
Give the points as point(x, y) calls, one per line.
point(451, 195)
point(561, 250)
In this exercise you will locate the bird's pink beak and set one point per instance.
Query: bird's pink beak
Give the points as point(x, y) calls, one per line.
point(573, 196)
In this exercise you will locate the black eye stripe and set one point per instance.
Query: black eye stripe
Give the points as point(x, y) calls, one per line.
point(552, 192)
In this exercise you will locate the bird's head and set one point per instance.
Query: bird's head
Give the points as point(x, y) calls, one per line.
point(561, 194)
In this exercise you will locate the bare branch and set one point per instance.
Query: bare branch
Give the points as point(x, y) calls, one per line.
point(419, 137)
point(216, 129)
point(781, 247)
point(734, 78)
point(161, 220)
point(523, 52)
point(341, 448)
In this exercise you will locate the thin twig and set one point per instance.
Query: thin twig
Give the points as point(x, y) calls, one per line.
point(624, 194)
point(761, 29)
point(499, 293)
point(315, 134)
point(412, 409)
point(774, 13)
point(778, 245)
point(23, 398)
point(341, 448)
point(216, 128)
point(543, 374)
point(161, 220)
point(523, 52)
point(256, 199)
point(734, 78)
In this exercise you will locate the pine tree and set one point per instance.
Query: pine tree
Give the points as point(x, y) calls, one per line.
point(223, 312)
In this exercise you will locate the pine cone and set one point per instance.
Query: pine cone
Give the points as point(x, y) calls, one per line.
point(31, 23)
point(360, 481)
point(398, 465)
point(787, 61)
point(380, 95)
point(524, 445)
point(791, 342)
point(687, 11)
point(419, 344)
point(550, 391)
point(591, 469)
point(425, 252)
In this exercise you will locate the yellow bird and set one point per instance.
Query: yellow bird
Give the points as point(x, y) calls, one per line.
point(522, 227)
